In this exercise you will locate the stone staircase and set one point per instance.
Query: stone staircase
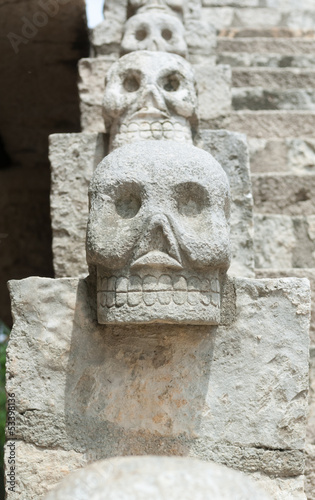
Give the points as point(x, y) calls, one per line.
point(270, 45)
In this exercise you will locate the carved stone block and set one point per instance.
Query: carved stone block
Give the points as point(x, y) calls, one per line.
point(234, 393)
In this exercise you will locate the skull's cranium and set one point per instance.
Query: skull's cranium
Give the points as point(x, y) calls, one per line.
point(154, 31)
point(150, 95)
point(158, 234)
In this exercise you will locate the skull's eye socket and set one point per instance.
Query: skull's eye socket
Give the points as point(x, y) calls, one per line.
point(167, 34)
point(191, 198)
point(128, 200)
point(131, 81)
point(171, 82)
point(141, 34)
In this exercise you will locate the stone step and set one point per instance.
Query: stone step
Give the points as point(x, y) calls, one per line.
point(282, 78)
point(273, 124)
point(250, 45)
point(275, 4)
point(272, 33)
point(256, 98)
point(260, 18)
point(270, 60)
point(284, 194)
point(295, 273)
point(282, 241)
point(288, 155)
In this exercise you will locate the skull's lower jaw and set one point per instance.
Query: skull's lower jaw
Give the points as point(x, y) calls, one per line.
point(173, 130)
point(159, 297)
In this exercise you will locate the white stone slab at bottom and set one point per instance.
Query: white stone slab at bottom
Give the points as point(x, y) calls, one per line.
point(235, 394)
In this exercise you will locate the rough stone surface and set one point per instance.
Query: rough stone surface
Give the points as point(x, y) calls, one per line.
point(38, 470)
point(285, 46)
point(230, 150)
point(273, 124)
point(73, 159)
point(256, 98)
point(284, 194)
point(83, 152)
point(271, 59)
point(290, 155)
point(283, 242)
point(158, 234)
point(275, 78)
point(309, 472)
point(297, 273)
point(235, 394)
point(213, 84)
point(164, 477)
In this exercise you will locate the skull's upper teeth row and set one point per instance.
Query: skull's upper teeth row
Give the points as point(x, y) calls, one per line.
point(156, 130)
point(118, 291)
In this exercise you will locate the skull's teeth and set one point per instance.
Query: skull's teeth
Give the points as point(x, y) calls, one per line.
point(155, 130)
point(120, 291)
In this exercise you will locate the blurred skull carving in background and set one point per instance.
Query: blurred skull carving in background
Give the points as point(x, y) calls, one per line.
point(150, 95)
point(154, 31)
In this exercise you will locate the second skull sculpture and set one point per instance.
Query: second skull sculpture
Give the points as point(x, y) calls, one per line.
point(150, 95)
point(154, 31)
point(158, 234)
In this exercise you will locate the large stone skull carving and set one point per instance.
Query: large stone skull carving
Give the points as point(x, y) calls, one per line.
point(154, 31)
point(158, 234)
point(150, 95)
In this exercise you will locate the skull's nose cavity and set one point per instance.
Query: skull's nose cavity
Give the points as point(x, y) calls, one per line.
point(153, 98)
point(161, 237)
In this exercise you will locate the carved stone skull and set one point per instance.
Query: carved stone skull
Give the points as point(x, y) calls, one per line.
point(154, 31)
point(158, 234)
point(150, 95)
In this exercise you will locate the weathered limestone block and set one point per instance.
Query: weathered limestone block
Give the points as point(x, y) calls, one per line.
point(256, 98)
point(285, 46)
point(230, 150)
point(40, 469)
point(275, 78)
point(106, 36)
point(82, 152)
point(213, 84)
point(164, 477)
point(284, 194)
point(290, 155)
point(297, 273)
point(235, 394)
point(273, 124)
point(73, 158)
point(271, 60)
point(309, 472)
point(284, 242)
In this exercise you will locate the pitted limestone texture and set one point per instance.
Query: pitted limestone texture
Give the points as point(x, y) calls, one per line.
point(150, 95)
point(185, 389)
point(154, 31)
point(159, 218)
point(164, 477)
